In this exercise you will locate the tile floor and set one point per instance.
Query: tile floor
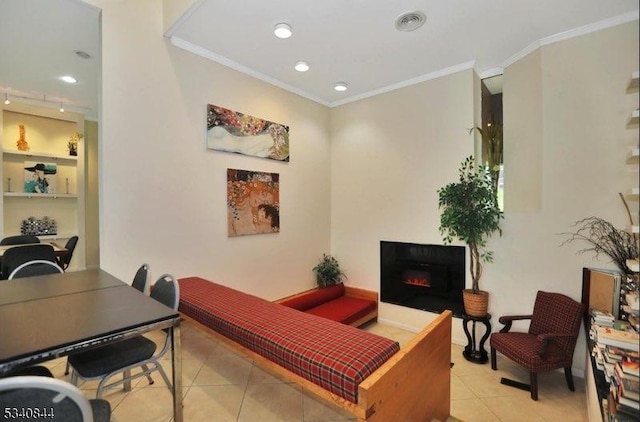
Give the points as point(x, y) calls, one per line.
point(220, 385)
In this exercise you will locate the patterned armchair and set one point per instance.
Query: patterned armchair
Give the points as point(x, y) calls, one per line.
point(549, 344)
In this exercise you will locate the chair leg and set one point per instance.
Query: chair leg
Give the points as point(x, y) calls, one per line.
point(126, 377)
point(533, 381)
point(66, 369)
point(569, 377)
point(146, 369)
point(494, 366)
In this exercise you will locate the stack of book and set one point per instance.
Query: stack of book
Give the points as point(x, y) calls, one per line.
point(617, 353)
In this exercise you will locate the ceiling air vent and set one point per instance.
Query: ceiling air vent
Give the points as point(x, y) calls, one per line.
point(410, 21)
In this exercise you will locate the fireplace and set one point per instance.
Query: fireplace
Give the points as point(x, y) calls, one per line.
point(426, 277)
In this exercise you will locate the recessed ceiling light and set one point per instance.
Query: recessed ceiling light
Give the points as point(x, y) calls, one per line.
point(282, 30)
point(68, 79)
point(340, 86)
point(410, 21)
point(302, 66)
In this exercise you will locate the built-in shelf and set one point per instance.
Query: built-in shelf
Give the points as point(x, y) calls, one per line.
point(31, 154)
point(39, 195)
point(635, 118)
point(633, 83)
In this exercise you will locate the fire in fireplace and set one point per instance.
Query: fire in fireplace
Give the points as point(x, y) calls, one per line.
point(426, 277)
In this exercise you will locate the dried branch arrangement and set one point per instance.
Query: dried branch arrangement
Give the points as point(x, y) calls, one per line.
point(604, 238)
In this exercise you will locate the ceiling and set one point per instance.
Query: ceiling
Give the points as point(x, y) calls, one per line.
point(351, 41)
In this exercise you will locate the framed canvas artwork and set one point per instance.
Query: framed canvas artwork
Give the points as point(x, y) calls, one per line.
point(232, 131)
point(253, 202)
point(40, 177)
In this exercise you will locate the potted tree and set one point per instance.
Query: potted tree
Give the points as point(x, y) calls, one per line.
point(328, 272)
point(470, 213)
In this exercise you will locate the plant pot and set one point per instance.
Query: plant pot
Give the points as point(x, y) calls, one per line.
point(475, 305)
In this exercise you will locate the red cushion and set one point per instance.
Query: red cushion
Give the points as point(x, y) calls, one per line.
point(344, 309)
point(335, 356)
point(315, 297)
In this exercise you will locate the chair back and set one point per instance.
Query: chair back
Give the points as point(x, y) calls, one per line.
point(166, 291)
point(34, 268)
point(59, 399)
point(22, 239)
point(70, 247)
point(141, 279)
point(18, 255)
point(557, 313)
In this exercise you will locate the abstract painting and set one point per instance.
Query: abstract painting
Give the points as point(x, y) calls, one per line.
point(253, 202)
point(232, 131)
point(40, 177)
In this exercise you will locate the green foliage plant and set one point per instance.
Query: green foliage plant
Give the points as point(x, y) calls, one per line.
point(492, 150)
point(470, 213)
point(328, 271)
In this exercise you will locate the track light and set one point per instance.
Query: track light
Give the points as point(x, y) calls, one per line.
point(7, 101)
point(61, 107)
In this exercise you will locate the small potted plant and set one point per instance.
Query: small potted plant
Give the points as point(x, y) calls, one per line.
point(328, 272)
point(470, 213)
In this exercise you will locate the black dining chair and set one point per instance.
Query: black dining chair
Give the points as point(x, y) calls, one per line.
point(141, 279)
point(65, 260)
point(44, 398)
point(34, 268)
point(141, 283)
point(104, 362)
point(18, 255)
point(22, 239)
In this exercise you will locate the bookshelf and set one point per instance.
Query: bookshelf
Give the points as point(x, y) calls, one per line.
point(602, 294)
point(47, 132)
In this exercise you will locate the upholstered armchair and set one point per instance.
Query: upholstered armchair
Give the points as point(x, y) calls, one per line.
point(548, 345)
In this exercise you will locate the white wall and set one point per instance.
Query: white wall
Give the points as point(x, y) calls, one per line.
point(359, 173)
point(566, 143)
point(163, 194)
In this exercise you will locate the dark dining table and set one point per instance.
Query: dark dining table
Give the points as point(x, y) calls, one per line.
point(50, 316)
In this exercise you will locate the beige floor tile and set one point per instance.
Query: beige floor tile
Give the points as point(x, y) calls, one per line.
point(459, 390)
point(272, 403)
point(511, 408)
point(147, 404)
point(219, 403)
point(224, 369)
point(472, 410)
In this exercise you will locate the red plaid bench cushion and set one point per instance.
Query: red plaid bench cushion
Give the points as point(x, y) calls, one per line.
point(335, 356)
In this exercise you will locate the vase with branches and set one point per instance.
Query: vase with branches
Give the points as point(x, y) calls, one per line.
point(602, 237)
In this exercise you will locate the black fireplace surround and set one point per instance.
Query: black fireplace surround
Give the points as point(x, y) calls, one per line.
point(426, 277)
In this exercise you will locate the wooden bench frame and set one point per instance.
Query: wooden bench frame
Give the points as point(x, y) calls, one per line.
point(413, 385)
point(349, 292)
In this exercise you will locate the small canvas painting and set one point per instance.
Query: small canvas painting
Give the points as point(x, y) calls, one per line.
point(40, 177)
point(253, 202)
point(232, 131)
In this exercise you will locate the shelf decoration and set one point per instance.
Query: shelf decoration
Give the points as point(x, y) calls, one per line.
point(73, 143)
point(22, 140)
point(39, 227)
point(253, 202)
point(233, 131)
point(40, 177)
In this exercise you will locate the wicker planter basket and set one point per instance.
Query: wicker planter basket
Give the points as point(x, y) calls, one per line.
point(475, 304)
